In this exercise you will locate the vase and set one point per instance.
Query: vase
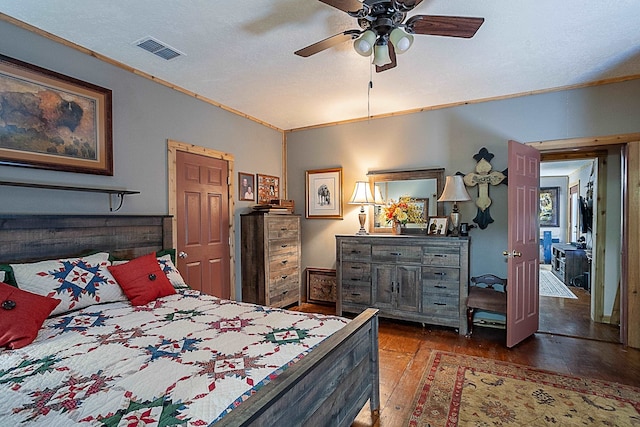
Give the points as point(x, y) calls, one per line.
point(396, 228)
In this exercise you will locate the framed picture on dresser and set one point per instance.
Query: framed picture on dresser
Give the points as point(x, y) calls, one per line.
point(438, 226)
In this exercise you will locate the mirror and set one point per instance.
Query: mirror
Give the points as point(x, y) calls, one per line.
point(423, 185)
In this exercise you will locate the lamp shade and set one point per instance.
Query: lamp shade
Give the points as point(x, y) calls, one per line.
point(401, 40)
point(378, 196)
point(454, 190)
point(381, 53)
point(364, 44)
point(361, 194)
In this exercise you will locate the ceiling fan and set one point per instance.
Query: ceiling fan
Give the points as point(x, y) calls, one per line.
point(383, 32)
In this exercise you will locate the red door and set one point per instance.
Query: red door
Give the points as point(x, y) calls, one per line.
point(523, 246)
point(203, 222)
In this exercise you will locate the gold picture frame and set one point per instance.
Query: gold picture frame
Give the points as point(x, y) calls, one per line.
point(53, 121)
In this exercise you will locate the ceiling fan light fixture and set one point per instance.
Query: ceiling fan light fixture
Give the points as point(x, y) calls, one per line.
point(381, 53)
point(401, 41)
point(364, 44)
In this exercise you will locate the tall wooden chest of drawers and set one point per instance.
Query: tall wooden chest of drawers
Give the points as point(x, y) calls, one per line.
point(270, 248)
point(416, 278)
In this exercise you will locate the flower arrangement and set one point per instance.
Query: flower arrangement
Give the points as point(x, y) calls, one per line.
point(403, 211)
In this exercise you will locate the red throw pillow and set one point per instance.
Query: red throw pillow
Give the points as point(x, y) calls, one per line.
point(142, 280)
point(22, 314)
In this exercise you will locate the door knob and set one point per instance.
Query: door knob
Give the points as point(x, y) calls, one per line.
point(512, 254)
point(182, 254)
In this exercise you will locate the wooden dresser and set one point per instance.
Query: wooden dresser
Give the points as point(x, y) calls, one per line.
point(270, 247)
point(416, 278)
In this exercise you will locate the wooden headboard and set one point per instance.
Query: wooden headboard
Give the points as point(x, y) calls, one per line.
point(37, 237)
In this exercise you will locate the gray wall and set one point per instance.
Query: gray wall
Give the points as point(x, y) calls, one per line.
point(449, 138)
point(145, 115)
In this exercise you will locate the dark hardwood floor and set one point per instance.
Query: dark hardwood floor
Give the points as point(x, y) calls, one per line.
point(405, 348)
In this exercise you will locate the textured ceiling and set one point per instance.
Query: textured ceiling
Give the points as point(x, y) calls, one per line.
point(240, 53)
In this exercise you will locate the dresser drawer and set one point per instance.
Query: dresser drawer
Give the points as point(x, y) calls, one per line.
point(283, 261)
point(441, 255)
point(356, 272)
point(356, 251)
point(279, 247)
point(441, 274)
point(283, 296)
point(282, 228)
point(400, 254)
point(356, 294)
point(448, 306)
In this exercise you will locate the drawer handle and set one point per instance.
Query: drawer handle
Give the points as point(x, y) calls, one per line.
point(396, 253)
point(354, 294)
point(440, 274)
point(285, 261)
point(439, 303)
point(284, 292)
point(353, 251)
point(355, 267)
point(440, 255)
point(284, 277)
point(440, 287)
point(283, 229)
point(283, 246)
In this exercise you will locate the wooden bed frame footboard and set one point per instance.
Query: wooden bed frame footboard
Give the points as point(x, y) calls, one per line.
point(329, 386)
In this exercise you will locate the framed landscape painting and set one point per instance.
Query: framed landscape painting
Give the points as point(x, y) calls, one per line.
point(52, 121)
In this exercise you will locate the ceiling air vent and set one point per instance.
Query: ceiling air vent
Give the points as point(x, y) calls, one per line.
point(158, 48)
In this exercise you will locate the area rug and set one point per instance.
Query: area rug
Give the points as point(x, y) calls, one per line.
point(551, 286)
point(461, 390)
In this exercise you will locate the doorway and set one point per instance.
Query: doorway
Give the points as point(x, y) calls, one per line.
point(580, 312)
point(206, 257)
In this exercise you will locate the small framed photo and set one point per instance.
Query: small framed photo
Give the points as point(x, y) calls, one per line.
point(324, 193)
point(438, 226)
point(247, 186)
point(321, 285)
point(268, 188)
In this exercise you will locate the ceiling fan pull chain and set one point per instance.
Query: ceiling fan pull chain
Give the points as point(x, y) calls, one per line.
point(369, 87)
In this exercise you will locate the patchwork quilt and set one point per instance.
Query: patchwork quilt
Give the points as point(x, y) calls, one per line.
point(185, 359)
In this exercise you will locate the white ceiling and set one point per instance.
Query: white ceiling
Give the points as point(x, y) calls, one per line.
point(564, 167)
point(240, 53)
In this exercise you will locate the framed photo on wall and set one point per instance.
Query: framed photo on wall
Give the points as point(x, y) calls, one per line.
point(324, 193)
point(438, 226)
point(246, 187)
point(549, 207)
point(268, 188)
point(52, 121)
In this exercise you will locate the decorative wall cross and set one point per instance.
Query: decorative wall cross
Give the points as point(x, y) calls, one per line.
point(483, 177)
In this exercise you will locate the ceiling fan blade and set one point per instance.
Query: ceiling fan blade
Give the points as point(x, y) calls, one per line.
point(328, 42)
point(449, 26)
point(406, 5)
point(392, 64)
point(344, 5)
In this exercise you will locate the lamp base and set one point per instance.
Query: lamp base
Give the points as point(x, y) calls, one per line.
point(362, 217)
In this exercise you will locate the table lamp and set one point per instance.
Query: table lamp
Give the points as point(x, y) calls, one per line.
point(454, 191)
point(362, 196)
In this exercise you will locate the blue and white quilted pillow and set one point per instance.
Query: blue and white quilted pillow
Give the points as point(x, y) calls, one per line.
point(172, 272)
point(78, 282)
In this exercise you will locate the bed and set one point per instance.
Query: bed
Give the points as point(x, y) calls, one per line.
point(328, 381)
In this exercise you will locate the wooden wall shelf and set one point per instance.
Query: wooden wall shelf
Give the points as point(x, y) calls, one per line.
point(120, 192)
